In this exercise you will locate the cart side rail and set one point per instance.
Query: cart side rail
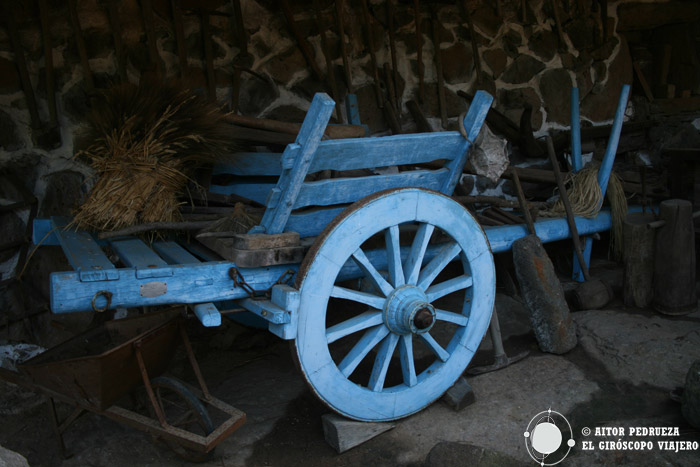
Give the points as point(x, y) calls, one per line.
point(309, 155)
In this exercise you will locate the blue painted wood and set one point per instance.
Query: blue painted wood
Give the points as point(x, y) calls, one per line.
point(207, 314)
point(312, 222)
point(256, 191)
point(353, 109)
point(576, 159)
point(266, 310)
point(472, 124)
point(249, 164)
point(84, 254)
point(43, 232)
point(348, 190)
point(134, 253)
point(287, 298)
point(193, 283)
point(173, 253)
point(289, 184)
point(604, 171)
point(329, 377)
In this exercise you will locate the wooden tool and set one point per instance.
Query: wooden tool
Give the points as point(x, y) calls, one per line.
point(330, 74)
point(567, 206)
point(472, 38)
point(113, 13)
point(339, 6)
point(392, 48)
point(243, 59)
point(523, 202)
point(419, 51)
point(438, 66)
point(373, 57)
point(304, 45)
point(80, 45)
point(333, 132)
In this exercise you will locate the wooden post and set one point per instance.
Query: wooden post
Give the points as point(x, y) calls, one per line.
point(339, 4)
point(419, 52)
point(438, 67)
point(674, 265)
point(330, 74)
point(113, 13)
point(638, 258)
point(372, 55)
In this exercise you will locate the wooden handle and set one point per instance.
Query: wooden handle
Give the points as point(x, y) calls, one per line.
point(333, 132)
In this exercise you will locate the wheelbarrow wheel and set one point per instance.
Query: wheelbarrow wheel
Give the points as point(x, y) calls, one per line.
point(182, 410)
point(387, 347)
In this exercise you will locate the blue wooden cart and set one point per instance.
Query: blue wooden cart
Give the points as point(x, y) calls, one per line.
point(396, 287)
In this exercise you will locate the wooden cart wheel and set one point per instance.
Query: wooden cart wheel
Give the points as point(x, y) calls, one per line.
point(183, 410)
point(401, 350)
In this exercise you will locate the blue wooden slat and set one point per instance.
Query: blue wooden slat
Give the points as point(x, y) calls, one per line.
point(42, 232)
point(255, 191)
point(576, 159)
point(84, 254)
point(173, 253)
point(353, 109)
point(289, 184)
point(312, 222)
point(472, 124)
point(207, 314)
point(249, 164)
point(136, 254)
point(348, 190)
point(266, 310)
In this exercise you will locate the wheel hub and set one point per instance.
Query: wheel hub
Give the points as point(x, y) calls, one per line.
point(407, 311)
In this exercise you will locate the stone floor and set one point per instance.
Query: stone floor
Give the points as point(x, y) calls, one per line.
point(620, 375)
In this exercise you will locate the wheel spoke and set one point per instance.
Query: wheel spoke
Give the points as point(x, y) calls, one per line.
point(437, 264)
point(408, 367)
point(356, 296)
point(381, 363)
point(455, 318)
point(415, 257)
point(371, 272)
point(437, 349)
point(447, 287)
point(357, 323)
point(366, 343)
point(393, 255)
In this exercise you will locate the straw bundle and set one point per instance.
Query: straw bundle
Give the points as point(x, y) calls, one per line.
point(146, 140)
point(586, 199)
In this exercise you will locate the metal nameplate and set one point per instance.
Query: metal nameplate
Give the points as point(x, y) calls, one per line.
point(154, 289)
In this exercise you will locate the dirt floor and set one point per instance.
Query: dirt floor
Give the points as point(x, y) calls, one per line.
point(619, 376)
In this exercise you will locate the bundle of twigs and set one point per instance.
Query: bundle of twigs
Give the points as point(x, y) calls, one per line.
point(145, 142)
point(586, 199)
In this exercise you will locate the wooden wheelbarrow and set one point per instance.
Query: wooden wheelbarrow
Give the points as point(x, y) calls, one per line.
point(95, 370)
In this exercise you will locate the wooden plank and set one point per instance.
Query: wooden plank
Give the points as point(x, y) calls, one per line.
point(266, 310)
point(173, 253)
point(136, 254)
point(312, 222)
point(192, 283)
point(86, 256)
point(349, 190)
point(643, 81)
point(473, 122)
point(249, 189)
point(207, 314)
point(353, 111)
point(352, 154)
point(262, 241)
point(290, 181)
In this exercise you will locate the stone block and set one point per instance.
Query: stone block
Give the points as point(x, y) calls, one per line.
point(343, 434)
point(459, 395)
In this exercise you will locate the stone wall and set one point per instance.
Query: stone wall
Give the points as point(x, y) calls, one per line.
point(524, 61)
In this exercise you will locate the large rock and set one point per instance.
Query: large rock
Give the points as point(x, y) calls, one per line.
point(256, 95)
point(457, 63)
point(555, 88)
point(544, 296)
point(690, 403)
point(512, 102)
point(496, 60)
point(282, 67)
point(522, 70)
point(544, 44)
point(601, 103)
point(12, 459)
point(451, 454)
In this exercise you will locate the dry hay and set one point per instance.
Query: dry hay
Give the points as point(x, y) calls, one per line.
point(145, 142)
point(586, 199)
